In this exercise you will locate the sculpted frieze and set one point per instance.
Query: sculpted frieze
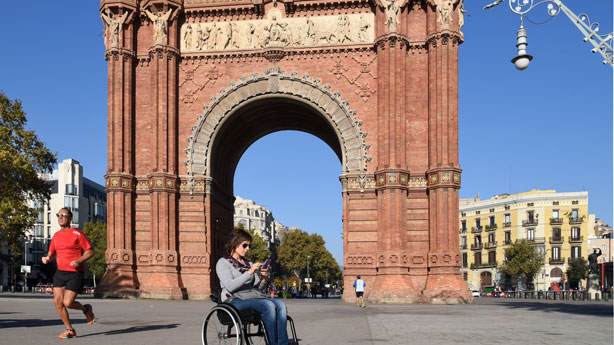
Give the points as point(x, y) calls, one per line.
point(276, 31)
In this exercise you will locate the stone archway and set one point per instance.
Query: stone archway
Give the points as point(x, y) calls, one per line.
point(395, 63)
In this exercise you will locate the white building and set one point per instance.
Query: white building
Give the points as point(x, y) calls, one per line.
point(86, 200)
point(255, 217)
point(281, 230)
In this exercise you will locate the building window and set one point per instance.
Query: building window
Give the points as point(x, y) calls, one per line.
point(556, 253)
point(530, 204)
point(575, 202)
point(478, 223)
point(464, 241)
point(478, 212)
point(531, 216)
point(464, 225)
point(556, 234)
point(491, 238)
point(576, 252)
point(478, 240)
point(507, 208)
point(508, 237)
point(492, 258)
point(574, 214)
point(555, 214)
point(491, 210)
point(531, 234)
point(464, 259)
point(240, 212)
point(555, 203)
point(465, 277)
point(492, 220)
point(575, 233)
point(508, 218)
point(477, 258)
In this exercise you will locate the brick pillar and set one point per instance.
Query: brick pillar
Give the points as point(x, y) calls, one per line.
point(161, 276)
point(444, 281)
point(120, 276)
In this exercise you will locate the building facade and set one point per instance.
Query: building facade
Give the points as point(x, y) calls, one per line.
point(281, 231)
point(85, 198)
point(556, 223)
point(255, 217)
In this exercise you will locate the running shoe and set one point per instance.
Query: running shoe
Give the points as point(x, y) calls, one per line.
point(70, 333)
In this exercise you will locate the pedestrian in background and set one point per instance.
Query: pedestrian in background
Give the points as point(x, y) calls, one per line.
point(359, 287)
point(71, 249)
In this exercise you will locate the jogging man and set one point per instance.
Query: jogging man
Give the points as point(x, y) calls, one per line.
point(72, 249)
point(359, 287)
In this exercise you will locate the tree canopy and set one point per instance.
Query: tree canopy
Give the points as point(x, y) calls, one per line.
point(23, 158)
point(523, 260)
point(576, 271)
point(96, 233)
point(296, 246)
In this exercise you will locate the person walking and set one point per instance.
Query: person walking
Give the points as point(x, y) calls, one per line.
point(243, 285)
point(71, 249)
point(359, 287)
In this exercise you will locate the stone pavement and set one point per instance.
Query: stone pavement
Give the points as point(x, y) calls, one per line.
point(31, 319)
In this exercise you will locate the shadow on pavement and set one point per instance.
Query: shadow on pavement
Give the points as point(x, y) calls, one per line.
point(11, 323)
point(604, 310)
point(133, 329)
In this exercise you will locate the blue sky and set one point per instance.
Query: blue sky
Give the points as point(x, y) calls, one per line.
point(548, 127)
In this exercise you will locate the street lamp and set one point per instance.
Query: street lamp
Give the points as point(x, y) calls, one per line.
point(308, 280)
point(25, 263)
point(601, 44)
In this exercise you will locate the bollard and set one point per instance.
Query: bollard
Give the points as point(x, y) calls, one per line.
point(596, 296)
point(588, 296)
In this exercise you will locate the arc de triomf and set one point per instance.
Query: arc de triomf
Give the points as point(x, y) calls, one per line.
point(193, 83)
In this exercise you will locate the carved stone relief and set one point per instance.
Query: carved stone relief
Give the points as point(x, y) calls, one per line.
point(113, 27)
point(276, 31)
point(444, 9)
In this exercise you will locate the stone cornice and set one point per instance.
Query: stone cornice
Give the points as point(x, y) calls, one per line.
point(288, 53)
point(115, 53)
point(391, 40)
point(445, 36)
point(162, 50)
point(449, 177)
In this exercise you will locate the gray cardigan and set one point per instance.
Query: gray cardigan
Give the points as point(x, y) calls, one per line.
point(236, 284)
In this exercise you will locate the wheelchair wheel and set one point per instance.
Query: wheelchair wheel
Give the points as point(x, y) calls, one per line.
point(256, 334)
point(222, 326)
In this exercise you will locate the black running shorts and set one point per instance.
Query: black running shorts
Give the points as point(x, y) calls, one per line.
point(359, 293)
point(73, 281)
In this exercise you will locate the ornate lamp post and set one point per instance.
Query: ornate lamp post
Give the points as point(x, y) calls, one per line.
point(601, 44)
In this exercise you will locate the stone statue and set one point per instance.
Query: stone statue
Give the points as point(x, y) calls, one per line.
point(461, 14)
point(592, 261)
point(392, 9)
point(363, 26)
point(444, 8)
point(187, 37)
point(160, 24)
point(212, 43)
point(343, 29)
point(114, 24)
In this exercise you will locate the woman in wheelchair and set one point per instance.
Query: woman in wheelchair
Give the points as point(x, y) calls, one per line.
point(243, 285)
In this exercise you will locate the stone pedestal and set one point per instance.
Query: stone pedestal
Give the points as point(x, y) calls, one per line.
point(592, 284)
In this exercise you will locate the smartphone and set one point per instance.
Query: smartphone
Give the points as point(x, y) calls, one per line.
point(266, 264)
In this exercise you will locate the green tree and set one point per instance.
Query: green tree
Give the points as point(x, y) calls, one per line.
point(23, 158)
point(258, 249)
point(96, 233)
point(293, 252)
point(523, 260)
point(576, 271)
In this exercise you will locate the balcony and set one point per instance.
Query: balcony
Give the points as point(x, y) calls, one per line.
point(570, 259)
point(476, 246)
point(507, 243)
point(490, 227)
point(463, 247)
point(507, 225)
point(576, 239)
point(462, 231)
point(530, 222)
point(556, 221)
point(576, 220)
point(557, 261)
point(476, 229)
point(537, 240)
point(490, 245)
point(488, 265)
point(556, 240)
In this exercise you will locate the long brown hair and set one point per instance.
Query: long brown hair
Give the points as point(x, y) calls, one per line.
point(236, 238)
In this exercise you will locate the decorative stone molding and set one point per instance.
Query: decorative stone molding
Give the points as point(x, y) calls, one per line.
point(357, 260)
point(156, 257)
point(277, 82)
point(114, 54)
point(212, 75)
point(160, 51)
point(193, 260)
point(278, 32)
point(444, 178)
point(119, 256)
point(363, 90)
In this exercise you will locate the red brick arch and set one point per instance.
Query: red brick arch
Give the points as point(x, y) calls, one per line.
point(224, 74)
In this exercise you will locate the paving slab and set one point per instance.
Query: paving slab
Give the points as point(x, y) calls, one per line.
point(31, 319)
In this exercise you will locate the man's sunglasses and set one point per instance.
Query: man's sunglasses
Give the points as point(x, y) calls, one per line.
point(64, 215)
point(245, 245)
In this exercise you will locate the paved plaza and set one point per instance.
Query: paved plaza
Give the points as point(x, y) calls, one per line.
point(31, 319)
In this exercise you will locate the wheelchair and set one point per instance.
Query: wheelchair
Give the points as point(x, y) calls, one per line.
point(225, 324)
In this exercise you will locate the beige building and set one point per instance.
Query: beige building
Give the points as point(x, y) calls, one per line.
point(255, 217)
point(556, 223)
point(601, 238)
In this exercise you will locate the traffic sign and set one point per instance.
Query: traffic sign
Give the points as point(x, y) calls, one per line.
point(26, 269)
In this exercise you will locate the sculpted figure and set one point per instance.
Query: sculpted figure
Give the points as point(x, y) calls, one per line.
point(461, 14)
point(311, 34)
point(444, 7)
point(592, 261)
point(187, 37)
point(160, 23)
point(392, 8)
point(286, 34)
point(250, 35)
point(343, 29)
point(235, 38)
point(363, 26)
point(114, 24)
point(212, 43)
